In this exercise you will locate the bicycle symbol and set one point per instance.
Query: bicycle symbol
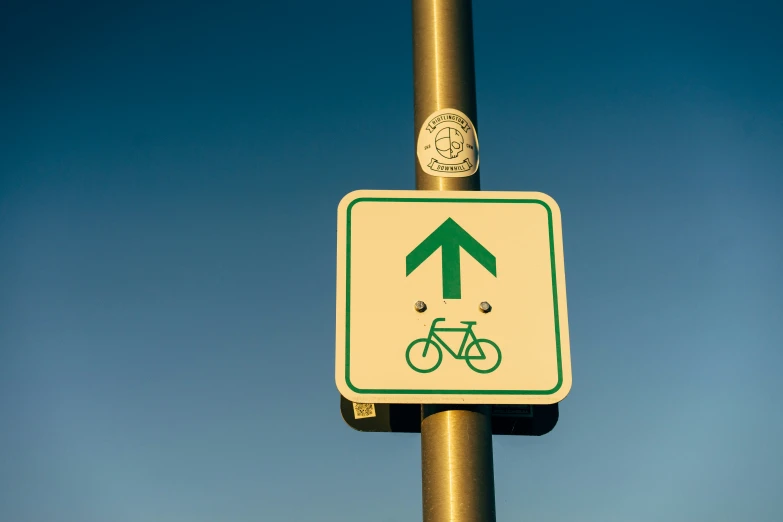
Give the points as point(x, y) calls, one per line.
point(427, 358)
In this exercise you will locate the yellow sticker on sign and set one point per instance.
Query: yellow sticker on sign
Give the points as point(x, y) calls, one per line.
point(451, 297)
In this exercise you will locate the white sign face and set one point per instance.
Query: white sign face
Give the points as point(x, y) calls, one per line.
point(451, 297)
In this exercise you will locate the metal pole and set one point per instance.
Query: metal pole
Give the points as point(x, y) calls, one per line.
point(458, 482)
point(443, 74)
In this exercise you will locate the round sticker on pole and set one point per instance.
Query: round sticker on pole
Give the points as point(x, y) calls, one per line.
point(447, 145)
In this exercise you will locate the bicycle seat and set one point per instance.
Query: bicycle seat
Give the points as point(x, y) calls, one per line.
point(469, 323)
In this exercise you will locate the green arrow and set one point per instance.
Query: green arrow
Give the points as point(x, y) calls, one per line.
point(449, 237)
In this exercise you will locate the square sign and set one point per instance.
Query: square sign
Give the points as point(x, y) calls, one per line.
point(451, 297)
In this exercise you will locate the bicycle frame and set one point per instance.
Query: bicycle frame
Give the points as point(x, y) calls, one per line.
point(468, 330)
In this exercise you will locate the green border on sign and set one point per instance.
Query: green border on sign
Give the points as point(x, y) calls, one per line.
point(448, 392)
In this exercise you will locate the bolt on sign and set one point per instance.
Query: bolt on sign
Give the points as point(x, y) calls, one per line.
point(451, 297)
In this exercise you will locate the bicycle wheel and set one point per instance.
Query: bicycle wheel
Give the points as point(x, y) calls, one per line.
point(426, 358)
point(485, 357)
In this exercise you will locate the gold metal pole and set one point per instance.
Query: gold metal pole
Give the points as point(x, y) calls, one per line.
point(444, 76)
point(458, 482)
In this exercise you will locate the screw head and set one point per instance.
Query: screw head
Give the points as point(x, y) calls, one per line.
point(420, 306)
point(485, 307)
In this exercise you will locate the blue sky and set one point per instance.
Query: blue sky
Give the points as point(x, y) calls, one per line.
point(169, 177)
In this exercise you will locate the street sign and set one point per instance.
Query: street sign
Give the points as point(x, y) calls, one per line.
point(451, 297)
point(508, 419)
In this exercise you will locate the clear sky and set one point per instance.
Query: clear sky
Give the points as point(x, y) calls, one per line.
point(169, 178)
